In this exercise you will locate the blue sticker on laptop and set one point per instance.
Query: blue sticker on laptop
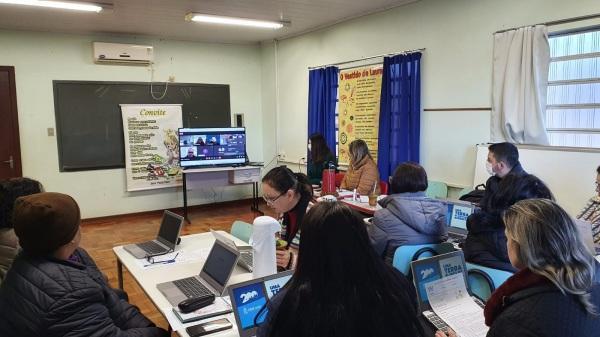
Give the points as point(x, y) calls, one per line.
point(250, 300)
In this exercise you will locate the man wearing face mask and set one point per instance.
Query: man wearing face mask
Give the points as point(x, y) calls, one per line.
point(485, 239)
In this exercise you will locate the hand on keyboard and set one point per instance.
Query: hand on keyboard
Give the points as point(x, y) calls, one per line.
point(449, 333)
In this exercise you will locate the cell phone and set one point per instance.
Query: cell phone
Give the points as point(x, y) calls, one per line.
point(208, 327)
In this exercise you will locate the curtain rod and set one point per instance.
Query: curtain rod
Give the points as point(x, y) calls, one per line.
point(367, 58)
point(556, 22)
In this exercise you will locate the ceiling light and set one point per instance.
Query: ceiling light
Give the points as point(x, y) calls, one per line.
point(78, 6)
point(226, 20)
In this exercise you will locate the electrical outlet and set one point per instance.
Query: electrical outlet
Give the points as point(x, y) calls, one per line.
point(172, 78)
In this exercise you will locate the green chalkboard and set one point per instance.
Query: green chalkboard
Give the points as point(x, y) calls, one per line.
point(89, 128)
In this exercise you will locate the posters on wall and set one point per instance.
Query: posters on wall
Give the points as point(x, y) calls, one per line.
point(359, 93)
point(151, 145)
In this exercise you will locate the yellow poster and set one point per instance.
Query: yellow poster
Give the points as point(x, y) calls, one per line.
point(359, 93)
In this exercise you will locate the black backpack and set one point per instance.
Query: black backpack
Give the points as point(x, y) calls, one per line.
point(475, 195)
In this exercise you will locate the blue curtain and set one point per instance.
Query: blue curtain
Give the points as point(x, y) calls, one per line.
point(400, 112)
point(322, 96)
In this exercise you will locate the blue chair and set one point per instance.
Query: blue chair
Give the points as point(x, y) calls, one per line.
point(241, 230)
point(404, 255)
point(484, 280)
point(436, 189)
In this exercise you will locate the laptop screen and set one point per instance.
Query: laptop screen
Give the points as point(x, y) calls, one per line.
point(457, 215)
point(435, 268)
point(220, 263)
point(248, 300)
point(169, 229)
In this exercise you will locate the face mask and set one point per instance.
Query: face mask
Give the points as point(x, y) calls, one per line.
point(489, 168)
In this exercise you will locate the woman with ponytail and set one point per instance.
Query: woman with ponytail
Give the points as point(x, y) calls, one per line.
point(289, 194)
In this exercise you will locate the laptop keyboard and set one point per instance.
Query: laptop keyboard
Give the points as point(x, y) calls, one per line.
point(151, 247)
point(456, 237)
point(191, 287)
point(436, 321)
point(246, 257)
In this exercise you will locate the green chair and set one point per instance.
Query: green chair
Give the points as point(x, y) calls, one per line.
point(405, 254)
point(241, 230)
point(436, 189)
point(484, 280)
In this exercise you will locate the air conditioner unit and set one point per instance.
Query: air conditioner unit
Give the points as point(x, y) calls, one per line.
point(122, 53)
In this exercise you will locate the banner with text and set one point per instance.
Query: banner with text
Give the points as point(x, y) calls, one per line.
point(151, 145)
point(359, 93)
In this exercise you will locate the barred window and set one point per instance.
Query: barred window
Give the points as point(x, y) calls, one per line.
point(573, 102)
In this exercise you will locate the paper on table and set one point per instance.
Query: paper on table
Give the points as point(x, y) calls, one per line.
point(450, 300)
point(182, 257)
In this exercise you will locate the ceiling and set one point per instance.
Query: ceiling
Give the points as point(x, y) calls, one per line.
point(165, 18)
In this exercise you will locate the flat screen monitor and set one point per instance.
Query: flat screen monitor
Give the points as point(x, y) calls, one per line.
point(211, 146)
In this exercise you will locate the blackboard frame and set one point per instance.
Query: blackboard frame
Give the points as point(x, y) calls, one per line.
point(190, 118)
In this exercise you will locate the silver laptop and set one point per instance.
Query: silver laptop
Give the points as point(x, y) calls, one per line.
point(165, 242)
point(246, 256)
point(456, 219)
point(249, 300)
point(433, 269)
point(213, 277)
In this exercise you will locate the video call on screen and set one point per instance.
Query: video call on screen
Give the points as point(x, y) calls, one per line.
point(212, 145)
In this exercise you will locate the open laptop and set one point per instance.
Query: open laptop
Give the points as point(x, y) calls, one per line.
point(249, 300)
point(213, 277)
point(456, 219)
point(246, 256)
point(165, 242)
point(435, 268)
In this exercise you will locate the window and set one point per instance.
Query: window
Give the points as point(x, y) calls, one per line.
point(573, 102)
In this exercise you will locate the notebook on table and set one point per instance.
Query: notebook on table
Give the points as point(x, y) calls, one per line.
point(249, 300)
point(246, 259)
point(213, 277)
point(165, 242)
point(430, 270)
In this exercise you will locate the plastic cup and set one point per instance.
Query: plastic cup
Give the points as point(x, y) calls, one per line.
point(373, 200)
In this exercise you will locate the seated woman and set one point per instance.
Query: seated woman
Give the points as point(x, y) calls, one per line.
point(556, 291)
point(340, 286)
point(288, 193)
point(362, 172)
point(486, 243)
point(55, 289)
point(591, 211)
point(320, 156)
point(10, 190)
point(408, 217)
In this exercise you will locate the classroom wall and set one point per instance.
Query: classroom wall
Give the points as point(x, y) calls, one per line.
point(39, 58)
point(456, 69)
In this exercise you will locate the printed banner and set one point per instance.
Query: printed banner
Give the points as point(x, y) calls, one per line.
point(359, 94)
point(151, 145)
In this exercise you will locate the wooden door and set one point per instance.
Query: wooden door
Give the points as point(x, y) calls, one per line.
point(10, 149)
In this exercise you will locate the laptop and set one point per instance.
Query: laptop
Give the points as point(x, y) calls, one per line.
point(456, 219)
point(165, 242)
point(249, 300)
point(246, 256)
point(435, 268)
point(213, 277)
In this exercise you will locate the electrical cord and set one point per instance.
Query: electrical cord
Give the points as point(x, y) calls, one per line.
point(152, 85)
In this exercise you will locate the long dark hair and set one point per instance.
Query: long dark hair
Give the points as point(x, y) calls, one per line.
point(340, 286)
point(283, 179)
point(319, 150)
point(10, 190)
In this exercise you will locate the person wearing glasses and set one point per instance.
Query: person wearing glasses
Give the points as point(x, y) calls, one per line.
point(289, 194)
point(53, 287)
point(591, 211)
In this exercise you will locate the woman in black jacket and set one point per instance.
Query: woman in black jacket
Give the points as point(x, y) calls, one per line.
point(54, 288)
point(341, 288)
point(556, 291)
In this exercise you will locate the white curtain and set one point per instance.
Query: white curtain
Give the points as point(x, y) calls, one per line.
point(519, 84)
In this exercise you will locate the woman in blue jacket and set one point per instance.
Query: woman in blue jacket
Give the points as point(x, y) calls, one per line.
point(408, 217)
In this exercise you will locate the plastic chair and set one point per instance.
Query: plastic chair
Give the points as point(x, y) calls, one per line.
point(436, 189)
point(484, 280)
point(405, 254)
point(241, 230)
point(383, 187)
point(338, 178)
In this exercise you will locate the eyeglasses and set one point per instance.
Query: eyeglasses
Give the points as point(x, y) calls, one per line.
point(271, 201)
point(152, 260)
